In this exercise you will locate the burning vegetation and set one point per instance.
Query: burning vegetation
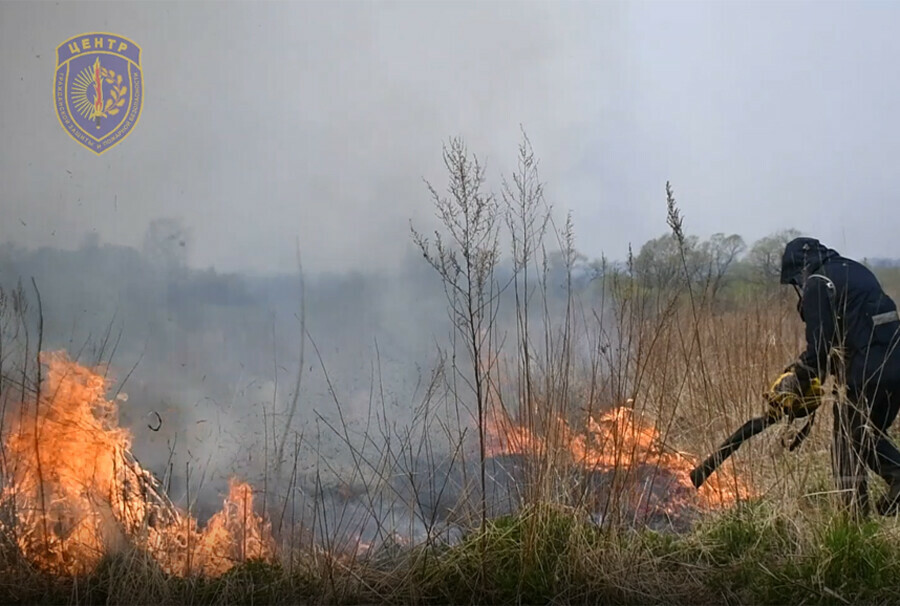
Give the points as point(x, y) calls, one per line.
point(623, 458)
point(74, 492)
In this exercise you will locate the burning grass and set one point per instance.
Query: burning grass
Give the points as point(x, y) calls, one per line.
point(85, 523)
point(82, 521)
point(74, 493)
point(89, 524)
point(751, 554)
point(79, 503)
point(627, 447)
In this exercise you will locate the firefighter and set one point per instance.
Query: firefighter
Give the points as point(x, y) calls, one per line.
point(851, 332)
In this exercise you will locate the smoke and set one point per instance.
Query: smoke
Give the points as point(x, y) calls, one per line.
point(263, 126)
point(216, 356)
point(209, 361)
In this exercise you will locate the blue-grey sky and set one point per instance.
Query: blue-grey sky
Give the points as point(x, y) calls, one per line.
point(269, 123)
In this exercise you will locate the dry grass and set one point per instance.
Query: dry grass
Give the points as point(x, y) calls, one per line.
point(693, 363)
point(790, 544)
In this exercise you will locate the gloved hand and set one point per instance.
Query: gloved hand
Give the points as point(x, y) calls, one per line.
point(787, 397)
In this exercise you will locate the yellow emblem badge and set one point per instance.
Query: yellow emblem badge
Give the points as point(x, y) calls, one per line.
point(98, 90)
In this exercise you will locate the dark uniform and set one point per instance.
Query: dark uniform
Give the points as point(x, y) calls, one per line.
point(852, 331)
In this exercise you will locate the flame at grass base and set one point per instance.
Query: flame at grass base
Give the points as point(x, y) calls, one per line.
point(644, 476)
point(73, 492)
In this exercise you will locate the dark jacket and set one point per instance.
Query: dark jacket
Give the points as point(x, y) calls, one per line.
point(847, 315)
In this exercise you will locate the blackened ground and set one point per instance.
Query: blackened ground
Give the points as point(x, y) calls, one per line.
point(447, 494)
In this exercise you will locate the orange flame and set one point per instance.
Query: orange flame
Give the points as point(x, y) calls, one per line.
point(77, 493)
point(618, 440)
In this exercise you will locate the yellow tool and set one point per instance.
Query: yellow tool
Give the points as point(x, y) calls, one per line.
point(785, 397)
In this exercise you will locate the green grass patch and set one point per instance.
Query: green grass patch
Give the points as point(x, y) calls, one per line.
point(755, 553)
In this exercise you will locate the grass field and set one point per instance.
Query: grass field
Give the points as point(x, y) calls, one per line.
point(590, 400)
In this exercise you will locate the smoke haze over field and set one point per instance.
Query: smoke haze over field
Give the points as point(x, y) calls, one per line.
point(265, 124)
point(268, 127)
point(368, 399)
point(216, 356)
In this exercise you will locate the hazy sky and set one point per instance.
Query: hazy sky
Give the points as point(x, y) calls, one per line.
point(265, 123)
